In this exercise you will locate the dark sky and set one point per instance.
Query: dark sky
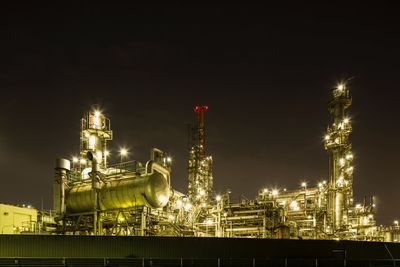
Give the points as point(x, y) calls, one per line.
point(266, 72)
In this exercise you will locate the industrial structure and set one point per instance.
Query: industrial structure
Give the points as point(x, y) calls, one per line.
point(16, 219)
point(200, 190)
point(93, 197)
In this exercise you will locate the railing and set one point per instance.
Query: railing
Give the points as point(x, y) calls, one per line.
point(112, 170)
point(183, 262)
point(124, 167)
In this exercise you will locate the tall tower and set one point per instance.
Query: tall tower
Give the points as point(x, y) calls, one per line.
point(95, 132)
point(340, 189)
point(200, 165)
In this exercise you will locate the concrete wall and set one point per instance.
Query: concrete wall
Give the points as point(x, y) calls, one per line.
point(190, 247)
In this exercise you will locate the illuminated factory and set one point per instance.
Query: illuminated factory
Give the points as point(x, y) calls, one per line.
point(92, 197)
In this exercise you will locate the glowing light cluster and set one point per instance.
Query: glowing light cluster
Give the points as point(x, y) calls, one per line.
point(123, 152)
point(275, 192)
point(294, 205)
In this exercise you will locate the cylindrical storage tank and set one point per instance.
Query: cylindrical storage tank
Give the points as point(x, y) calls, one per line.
point(396, 236)
point(62, 167)
point(339, 201)
point(127, 192)
point(388, 236)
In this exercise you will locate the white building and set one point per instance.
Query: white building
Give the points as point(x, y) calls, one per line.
point(17, 219)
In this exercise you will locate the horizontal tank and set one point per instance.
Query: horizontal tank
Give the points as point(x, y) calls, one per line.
point(151, 190)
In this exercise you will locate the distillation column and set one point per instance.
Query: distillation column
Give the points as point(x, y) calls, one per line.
point(340, 188)
point(200, 165)
point(95, 132)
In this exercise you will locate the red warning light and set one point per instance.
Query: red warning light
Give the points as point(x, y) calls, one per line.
point(199, 108)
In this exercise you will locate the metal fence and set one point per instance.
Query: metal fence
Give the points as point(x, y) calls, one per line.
point(183, 262)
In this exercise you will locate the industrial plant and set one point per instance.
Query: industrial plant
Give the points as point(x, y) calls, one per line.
point(93, 197)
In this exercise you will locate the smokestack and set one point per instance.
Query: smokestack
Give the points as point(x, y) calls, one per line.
point(200, 110)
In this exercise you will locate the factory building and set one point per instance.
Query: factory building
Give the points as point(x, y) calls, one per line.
point(17, 219)
point(94, 197)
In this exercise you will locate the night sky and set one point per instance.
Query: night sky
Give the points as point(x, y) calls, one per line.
point(266, 73)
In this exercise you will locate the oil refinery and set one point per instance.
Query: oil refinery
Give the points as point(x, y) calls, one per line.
point(93, 197)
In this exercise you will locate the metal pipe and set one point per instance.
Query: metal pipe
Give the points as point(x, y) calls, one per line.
point(152, 166)
point(243, 229)
point(233, 218)
point(62, 168)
